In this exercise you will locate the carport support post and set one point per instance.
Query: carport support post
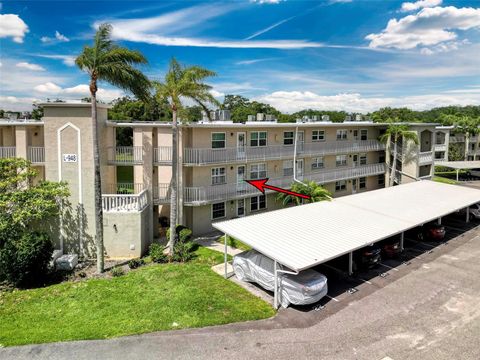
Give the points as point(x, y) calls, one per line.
point(402, 238)
point(225, 254)
point(350, 263)
point(458, 170)
point(439, 221)
point(467, 219)
point(275, 286)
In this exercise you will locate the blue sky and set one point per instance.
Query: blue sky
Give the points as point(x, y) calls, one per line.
point(354, 55)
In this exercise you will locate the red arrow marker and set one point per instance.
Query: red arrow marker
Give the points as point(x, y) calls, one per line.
point(261, 184)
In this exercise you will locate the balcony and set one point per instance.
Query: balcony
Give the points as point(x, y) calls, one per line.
point(162, 155)
point(194, 156)
point(7, 152)
point(440, 147)
point(124, 188)
point(425, 158)
point(36, 154)
point(203, 195)
point(457, 139)
point(125, 203)
point(125, 155)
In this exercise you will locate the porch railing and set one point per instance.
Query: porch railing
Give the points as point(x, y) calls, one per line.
point(201, 156)
point(7, 152)
point(124, 203)
point(205, 194)
point(124, 188)
point(425, 157)
point(125, 155)
point(162, 154)
point(36, 154)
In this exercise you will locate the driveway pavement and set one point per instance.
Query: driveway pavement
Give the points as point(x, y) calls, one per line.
point(426, 308)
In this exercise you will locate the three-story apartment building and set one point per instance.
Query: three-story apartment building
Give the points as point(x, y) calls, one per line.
point(215, 159)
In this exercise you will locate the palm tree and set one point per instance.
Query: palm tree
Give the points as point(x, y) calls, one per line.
point(310, 188)
point(106, 61)
point(394, 133)
point(182, 82)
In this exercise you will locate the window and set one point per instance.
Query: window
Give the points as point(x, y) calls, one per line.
point(258, 171)
point(439, 155)
point(341, 185)
point(440, 138)
point(241, 207)
point(341, 160)
point(288, 168)
point(288, 138)
point(258, 203)
point(258, 138)
point(363, 134)
point(219, 176)
point(318, 135)
point(218, 210)
point(362, 183)
point(317, 163)
point(342, 134)
point(355, 134)
point(218, 140)
point(363, 159)
point(381, 180)
point(381, 157)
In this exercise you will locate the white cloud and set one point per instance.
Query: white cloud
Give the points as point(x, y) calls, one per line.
point(292, 101)
point(159, 30)
point(429, 27)
point(12, 26)
point(15, 103)
point(33, 67)
point(411, 6)
point(252, 61)
point(68, 60)
point(216, 93)
point(78, 91)
point(58, 38)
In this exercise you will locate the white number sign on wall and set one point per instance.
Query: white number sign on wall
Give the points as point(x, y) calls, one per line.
point(70, 158)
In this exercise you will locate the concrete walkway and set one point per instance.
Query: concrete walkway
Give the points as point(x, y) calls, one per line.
point(212, 243)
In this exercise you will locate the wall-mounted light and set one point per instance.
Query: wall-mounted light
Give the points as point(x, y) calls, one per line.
point(231, 134)
point(115, 228)
point(231, 167)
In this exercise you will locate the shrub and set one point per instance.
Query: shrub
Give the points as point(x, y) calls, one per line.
point(156, 253)
point(135, 263)
point(179, 229)
point(183, 251)
point(25, 261)
point(117, 271)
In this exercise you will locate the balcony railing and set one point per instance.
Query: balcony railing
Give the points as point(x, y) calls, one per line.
point(193, 156)
point(457, 139)
point(425, 157)
point(125, 155)
point(162, 155)
point(124, 188)
point(206, 194)
point(36, 154)
point(124, 203)
point(440, 147)
point(7, 152)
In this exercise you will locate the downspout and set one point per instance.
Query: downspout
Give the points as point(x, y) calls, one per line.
point(295, 159)
point(275, 290)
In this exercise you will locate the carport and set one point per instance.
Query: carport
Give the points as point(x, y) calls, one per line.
point(301, 237)
point(459, 165)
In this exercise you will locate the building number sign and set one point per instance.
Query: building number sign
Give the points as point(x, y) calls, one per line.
point(70, 158)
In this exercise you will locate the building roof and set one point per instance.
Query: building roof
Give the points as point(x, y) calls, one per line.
point(459, 165)
point(303, 236)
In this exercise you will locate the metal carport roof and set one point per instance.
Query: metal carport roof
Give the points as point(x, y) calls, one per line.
point(303, 236)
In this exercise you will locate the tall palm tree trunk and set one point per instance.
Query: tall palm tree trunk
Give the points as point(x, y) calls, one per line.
point(97, 182)
point(173, 192)
point(394, 165)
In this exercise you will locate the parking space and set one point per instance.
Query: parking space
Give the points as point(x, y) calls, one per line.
point(345, 288)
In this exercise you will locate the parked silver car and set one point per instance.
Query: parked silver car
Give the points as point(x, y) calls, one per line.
point(307, 287)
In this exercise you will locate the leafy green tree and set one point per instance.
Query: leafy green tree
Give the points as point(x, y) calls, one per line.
point(182, 82)
point(37, 112)
point(24, 205)
point(129, 109)
point(466, 125)
point(106, 61)
point(394, 133)
point(315, 191)
point(191, 113)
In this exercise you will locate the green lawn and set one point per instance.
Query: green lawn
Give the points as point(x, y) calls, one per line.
point(237, 244)
point(444, 180)
point(154, 297)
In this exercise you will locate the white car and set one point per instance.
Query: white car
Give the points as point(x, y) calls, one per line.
point(308, 287)
point(475, 211)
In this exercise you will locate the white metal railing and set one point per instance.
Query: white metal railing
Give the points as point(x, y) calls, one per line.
point(199, 156)
point(201, 195)
point(36, 154)
point(124, 188)
point(457, 139)
point(425, 157)
point(440, 147)
point(124, 203)
point(125, 154)
point(161, 193)
point(162, 154)
point(7, 151)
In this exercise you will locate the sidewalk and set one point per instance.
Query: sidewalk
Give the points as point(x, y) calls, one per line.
point(211, 243)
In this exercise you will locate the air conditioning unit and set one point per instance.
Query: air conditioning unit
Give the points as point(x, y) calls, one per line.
point(315, 118)
point(251, 118)
point(224, 115)
point(358, 117)
point(348, 118)
point(325, 118)
point(270, 117)
point(260, 117)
